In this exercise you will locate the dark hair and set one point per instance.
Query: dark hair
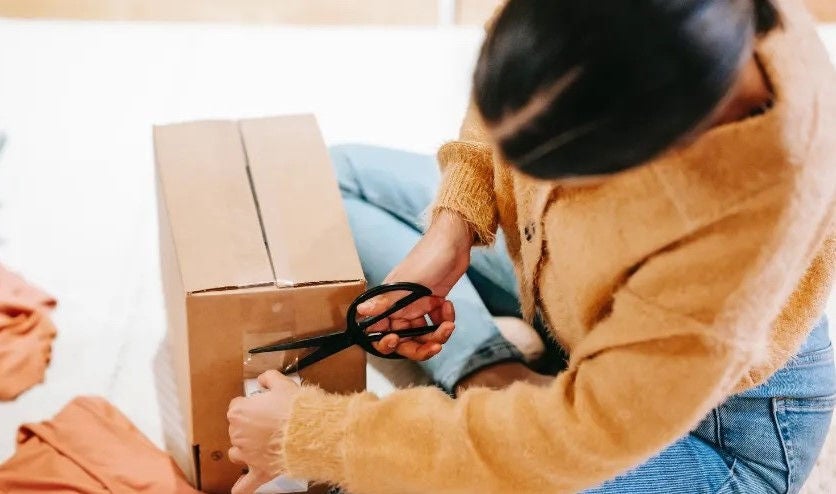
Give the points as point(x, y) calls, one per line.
point(587, 87)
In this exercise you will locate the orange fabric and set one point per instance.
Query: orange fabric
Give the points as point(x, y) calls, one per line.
point(16, 289)
point(89, 448)
point(26, 334)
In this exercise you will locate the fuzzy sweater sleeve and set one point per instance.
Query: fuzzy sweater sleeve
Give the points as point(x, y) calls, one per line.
point(467, 186)
point(683, 329)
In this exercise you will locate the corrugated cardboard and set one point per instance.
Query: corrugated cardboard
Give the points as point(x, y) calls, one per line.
point(254, 243)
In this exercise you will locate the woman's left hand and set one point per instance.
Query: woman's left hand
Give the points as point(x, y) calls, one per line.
point(256, 425)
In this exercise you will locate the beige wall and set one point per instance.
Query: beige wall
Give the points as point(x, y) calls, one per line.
point(248, 11)
point(471, 11)
point(824, 9)
point(403, 12)
point(476, 11)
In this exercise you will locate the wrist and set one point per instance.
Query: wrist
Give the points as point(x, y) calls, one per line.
point(452, 229)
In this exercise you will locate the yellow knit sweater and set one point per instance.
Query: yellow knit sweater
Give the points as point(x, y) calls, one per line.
point(672, 285)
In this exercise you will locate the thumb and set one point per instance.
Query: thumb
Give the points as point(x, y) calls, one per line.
point(271, 379)
point(250, 482)
point(377, 305)
point(382, 303)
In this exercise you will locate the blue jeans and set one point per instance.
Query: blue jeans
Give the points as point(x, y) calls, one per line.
point(761, 441)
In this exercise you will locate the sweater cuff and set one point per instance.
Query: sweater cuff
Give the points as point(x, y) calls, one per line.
point(467, 188)
point(315, 436)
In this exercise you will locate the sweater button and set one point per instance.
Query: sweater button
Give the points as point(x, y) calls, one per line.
point(529, 232)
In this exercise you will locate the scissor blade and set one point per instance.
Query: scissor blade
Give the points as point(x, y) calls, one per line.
point(323, 352)
point(299, 344)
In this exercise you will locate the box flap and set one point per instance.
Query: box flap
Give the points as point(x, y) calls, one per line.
point(207, 194)
point(305, 226)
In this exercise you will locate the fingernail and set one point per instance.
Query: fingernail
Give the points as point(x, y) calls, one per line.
point(393, 345)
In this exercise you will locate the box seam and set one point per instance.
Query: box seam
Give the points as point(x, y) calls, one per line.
point(258, 212)
point(278, 287)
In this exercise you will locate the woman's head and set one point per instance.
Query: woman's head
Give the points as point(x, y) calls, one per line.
point(575, 88)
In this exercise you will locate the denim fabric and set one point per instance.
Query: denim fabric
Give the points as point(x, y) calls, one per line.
point(762, 441)
point(765, 440)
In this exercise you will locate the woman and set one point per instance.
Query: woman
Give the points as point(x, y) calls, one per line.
point(664, 176)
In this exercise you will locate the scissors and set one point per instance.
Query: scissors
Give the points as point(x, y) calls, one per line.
point(355, 330)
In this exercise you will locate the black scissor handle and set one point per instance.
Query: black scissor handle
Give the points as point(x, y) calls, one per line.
point(415, 290)
point(357, 329)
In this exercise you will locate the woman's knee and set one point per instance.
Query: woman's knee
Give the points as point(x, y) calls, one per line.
point(379, 172)
point(344, 159)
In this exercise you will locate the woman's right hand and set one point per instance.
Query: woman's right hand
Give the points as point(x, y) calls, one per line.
point(438, 261)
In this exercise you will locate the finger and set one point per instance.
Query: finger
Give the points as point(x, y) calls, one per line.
point(249, 483)
point(437, 336)
point(418, 352)
point(408, 349)
point(426, 351)
point(379, 326)
point(400, 324)
point(429, 351)
point(403, 324)
point(382, 303)
point(444, 312)
point(388, 344)
point(417, 323)
point(448, 311)
point(271, 378)
point(440, 335)
point(237, 436)
point(379, 304)
point(419, 308)
point(236, 456)
point(234, 407)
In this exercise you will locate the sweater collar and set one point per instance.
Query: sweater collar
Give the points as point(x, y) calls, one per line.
point(738, 158)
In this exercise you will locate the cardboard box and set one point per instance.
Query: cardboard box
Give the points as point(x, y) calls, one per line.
point(255, 245)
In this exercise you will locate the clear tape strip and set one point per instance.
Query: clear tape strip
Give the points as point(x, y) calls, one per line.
point(256, 364)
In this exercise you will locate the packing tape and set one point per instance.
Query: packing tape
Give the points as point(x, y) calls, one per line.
point(255, 365)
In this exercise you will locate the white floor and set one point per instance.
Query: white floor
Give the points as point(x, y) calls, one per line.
point(77, 207)
point(77, 204)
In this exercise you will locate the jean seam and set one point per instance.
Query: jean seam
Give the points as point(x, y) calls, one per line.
point(729, 478)
point(718, 429)
point(822, 404)
point(815, 357)
point(783, 437)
